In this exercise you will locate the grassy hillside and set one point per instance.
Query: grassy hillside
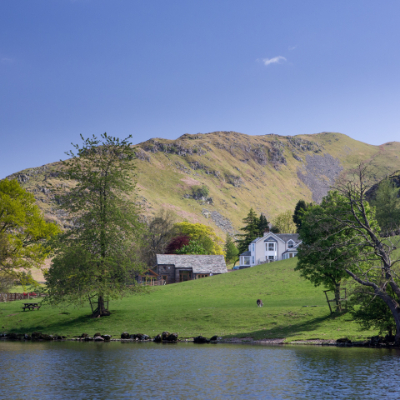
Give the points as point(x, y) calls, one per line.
point(269, 173)
point(224, 305)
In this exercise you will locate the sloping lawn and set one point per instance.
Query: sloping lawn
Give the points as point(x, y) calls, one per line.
point(223, 305)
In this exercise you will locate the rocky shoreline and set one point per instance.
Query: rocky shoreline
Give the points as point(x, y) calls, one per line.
point(166, 337)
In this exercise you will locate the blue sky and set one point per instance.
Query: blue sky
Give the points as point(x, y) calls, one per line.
point(164, 68)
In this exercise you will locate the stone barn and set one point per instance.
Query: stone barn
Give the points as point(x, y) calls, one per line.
point(175, 268)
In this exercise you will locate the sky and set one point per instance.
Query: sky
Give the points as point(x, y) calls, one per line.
point(157, 68)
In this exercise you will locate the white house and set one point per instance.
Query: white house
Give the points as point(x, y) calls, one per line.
point(270, 247)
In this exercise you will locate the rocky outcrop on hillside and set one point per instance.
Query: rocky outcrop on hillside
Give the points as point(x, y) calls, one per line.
point(223, 223)
point(319, 174)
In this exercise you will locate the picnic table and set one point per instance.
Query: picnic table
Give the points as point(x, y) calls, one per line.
point(31, 306)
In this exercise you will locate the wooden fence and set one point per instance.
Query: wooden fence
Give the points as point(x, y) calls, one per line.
point(153, 282)
point(4, 297)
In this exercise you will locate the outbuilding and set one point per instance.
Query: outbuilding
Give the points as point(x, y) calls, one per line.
point(173, 268)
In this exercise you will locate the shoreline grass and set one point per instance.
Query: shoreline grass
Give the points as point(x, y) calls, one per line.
point(223, 305)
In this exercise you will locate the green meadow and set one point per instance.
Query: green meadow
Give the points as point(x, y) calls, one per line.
point(223, 305)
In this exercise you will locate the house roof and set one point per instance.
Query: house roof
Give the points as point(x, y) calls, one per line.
point(199, 264)
point(246, 253)
point(287, 236)
point(292, 250)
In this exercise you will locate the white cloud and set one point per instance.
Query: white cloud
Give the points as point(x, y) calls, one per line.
point(274, 60)
point(6, 60)
point(291, 47)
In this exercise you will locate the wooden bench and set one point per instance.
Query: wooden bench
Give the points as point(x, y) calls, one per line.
point(31, 306)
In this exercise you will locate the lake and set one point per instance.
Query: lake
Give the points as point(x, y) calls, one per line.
point(74, 370)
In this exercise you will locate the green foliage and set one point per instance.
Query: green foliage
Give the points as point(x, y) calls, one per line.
point(23, 230)
point(263, 225)
point(194, 247)
point(97, 256)
point(299, 210)
point(371, 311)
point(328, 247)
point(250, 229)
point(204, 235)
point(231, 251)
point(387, 204)
point(199, 192)
point(284, 222)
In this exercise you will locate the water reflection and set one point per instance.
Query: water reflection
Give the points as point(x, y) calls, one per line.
point(186, 371)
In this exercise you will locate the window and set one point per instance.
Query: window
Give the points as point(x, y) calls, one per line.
point(290, 244)
point(252, 260)
point(252, 247)
point(271, 258)
point(271, 246)
point(246, 260)
point(202, 276)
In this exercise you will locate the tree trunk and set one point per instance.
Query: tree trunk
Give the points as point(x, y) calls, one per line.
point(337, 298)
point(100, 311)
point(395, 309)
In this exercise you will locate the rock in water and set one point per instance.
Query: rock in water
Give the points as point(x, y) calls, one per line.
point(173, 337)
point(125, 335)
point(214, 338)
point(165, 335)
point(200, 339)
point(158, 339)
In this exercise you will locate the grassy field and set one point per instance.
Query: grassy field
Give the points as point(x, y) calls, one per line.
point(223, 305)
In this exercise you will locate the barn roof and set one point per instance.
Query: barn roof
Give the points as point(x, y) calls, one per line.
point(199, 264)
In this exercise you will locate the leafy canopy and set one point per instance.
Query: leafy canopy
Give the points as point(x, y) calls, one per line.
point(204, 235)
point(231, 251)
point(284, 222)
point(387, 204)
point(328, 247)
point(24, 233)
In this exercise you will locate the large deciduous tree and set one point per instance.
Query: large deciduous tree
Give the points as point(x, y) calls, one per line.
point(284, 222)
point(24, 233)
point(97, 256)
point(203, 235)
point(157, 236)
point(320, 230)
point(365, 256)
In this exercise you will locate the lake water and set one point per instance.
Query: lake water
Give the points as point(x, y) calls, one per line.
point(73, 370)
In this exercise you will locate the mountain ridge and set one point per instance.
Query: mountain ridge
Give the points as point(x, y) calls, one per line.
point(267, 172)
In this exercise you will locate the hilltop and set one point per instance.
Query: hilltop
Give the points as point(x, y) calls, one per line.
point(269, 173)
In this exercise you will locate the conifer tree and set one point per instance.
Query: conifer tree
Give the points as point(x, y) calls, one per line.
point(263, 225)
point(299, 210)
point(250, 229)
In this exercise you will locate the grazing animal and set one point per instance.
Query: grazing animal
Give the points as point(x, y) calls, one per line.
point(259, 303)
